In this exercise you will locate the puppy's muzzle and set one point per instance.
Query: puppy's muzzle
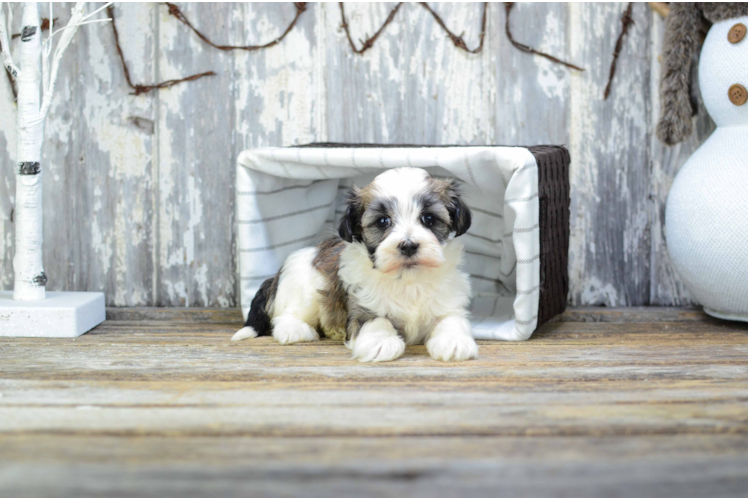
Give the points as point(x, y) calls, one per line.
point(408, 248)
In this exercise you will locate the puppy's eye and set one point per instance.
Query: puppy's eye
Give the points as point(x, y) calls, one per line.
point(428, 220)
point(383, 222)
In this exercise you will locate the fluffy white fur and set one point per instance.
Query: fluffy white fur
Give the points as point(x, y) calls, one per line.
point(426, 296)
point(403, 184)
point(426, 301)
point(417, 297)
point(295, 313)
point(429, 298)
point(245, 333)
point(378, 341)
point(452, 340)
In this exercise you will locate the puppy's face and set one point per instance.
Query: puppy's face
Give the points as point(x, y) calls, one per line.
point(404, 218)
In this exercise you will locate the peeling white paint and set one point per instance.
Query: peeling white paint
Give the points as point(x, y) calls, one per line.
point(595, 292)
point(158, 198)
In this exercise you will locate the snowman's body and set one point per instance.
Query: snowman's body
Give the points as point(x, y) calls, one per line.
point(707, 208)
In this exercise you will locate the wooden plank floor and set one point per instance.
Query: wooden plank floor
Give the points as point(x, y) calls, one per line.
point(160, 402)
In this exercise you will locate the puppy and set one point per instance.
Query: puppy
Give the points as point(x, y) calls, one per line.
point(390, 279)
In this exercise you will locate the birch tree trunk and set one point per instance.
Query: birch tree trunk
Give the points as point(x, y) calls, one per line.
point(30, 279)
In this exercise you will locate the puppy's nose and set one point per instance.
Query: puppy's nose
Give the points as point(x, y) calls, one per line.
point(408, 248)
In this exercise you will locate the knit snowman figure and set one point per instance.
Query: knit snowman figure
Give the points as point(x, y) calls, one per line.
point(707, 208)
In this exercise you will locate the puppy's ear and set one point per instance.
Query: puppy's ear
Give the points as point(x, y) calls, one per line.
point(460, 217)
point(350, 224)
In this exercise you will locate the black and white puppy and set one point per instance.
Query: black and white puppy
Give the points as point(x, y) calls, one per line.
point(391, 279)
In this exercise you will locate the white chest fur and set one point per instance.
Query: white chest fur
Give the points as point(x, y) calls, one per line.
point(413, 299)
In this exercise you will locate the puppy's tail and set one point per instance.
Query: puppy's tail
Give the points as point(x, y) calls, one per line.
point(258, 319)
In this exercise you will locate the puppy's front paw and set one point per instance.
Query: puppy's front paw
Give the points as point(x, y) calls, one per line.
point(378, 341)
point(452, 340)
point(289, 330)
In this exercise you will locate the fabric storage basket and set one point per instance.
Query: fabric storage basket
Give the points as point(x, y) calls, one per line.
point(516, 250)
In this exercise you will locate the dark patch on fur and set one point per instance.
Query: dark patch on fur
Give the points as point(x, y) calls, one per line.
point(399, 326)
point(372, 234)
point(682, 27)
point(350, 224)
point(357, 316)
point(334, 306)
point(448, 191)
point(460, 215)
point(259, 312)
point(432, 203)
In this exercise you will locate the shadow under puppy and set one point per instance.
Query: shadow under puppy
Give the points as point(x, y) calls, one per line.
point(390, 279)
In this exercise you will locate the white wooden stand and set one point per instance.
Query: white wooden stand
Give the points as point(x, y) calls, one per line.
point(61, 314)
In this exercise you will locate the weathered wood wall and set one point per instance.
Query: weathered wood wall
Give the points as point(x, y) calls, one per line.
point(139, 196)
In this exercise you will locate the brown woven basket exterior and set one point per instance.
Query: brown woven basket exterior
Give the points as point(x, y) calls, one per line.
point(553, 194)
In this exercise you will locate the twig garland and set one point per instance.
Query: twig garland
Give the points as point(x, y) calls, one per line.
point(626, 21)
point(140, 88)
point(177, 13)
point(369, 43)
point(457, 40)
point(526, 48)
point(301, 7)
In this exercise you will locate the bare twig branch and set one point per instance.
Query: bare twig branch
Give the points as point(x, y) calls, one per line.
point(174, 11)
point(76, 19)
point(369, 42)
point(457, 40)
point(48, 40)
point(526, 48)
point(137, 87)
point(626, 21)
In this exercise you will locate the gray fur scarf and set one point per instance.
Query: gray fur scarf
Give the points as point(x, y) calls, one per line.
point(681, 41)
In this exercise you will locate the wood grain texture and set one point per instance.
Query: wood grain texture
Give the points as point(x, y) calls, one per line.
point(666, 288)
point(522, 80)
point(413, 86)
point(638, 402)
point(195, 182)
point(139, 200)
point(609, 249)
point(374, 467)
point(99, 207)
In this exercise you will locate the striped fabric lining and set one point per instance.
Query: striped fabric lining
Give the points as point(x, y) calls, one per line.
point(527, 322)
point(279, 190)
point(486, 212)
point(279, 245)
point(482, 174)
point(257, 278)
point(483, 237)
point(284, 216)
point(528, 292)
point(521, 200)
